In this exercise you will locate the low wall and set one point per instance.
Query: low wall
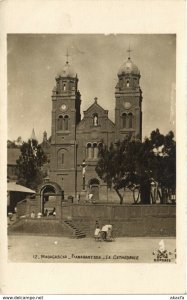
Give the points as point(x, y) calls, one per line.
point(116, 212)
point(47, 226)
point(127, 220)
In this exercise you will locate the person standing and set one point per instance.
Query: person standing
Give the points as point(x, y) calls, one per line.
point(32, 215)
point(97, 233)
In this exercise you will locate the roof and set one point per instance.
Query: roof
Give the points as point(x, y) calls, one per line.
point(13, 187)
point(128, 68)
point(67, 71)
point(13, 155)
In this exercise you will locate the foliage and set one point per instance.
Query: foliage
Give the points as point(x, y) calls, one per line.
point(133, 163)
point(11, 144)
point(164, 162)
point(15, 144)
point(29, 164)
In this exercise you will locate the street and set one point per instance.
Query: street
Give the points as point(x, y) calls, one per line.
point(50, 249)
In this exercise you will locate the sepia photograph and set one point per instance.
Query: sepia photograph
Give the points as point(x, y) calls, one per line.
point(91, 148)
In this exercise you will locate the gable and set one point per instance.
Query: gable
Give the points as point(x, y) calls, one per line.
point(95, 108)
point(95, 118)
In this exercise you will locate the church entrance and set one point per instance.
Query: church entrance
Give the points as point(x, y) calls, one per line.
point(49, 193)
point(94, 189)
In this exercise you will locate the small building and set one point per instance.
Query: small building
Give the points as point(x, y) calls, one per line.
point(15, 194)
point(12, 157)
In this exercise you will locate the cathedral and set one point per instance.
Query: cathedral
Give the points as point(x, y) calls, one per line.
point(75, 139)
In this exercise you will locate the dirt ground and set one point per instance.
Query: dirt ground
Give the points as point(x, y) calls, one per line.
point(47, 249)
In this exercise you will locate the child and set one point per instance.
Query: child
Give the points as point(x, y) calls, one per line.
point(97, 233)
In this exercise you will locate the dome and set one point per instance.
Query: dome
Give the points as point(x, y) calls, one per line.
point(67, 71)
point(128, 67)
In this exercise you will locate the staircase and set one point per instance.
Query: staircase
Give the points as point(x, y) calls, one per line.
point(78, 234)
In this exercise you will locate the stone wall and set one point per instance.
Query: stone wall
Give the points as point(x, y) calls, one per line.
point(116, 211)
point(127, 220)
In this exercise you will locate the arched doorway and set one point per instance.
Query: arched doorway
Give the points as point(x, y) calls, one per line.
point(94, 188)
point(49, 194)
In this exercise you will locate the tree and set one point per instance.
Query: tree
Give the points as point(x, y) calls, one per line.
point(11, 144)
point(29, 164)
point(132, 163)
point(116, 165)
point(164, 162)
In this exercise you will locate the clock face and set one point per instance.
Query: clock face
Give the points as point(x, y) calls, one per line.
point(63, 107)
point(127, 105)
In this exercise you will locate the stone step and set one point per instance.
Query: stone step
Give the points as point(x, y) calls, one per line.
point(77, 232)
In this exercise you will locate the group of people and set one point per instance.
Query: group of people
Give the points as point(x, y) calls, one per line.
point(50, 213)
point(90, 198)
point(105, 233)
point(46, 213)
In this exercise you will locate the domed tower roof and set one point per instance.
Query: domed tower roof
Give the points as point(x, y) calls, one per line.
point(128, 68)
point(67, 71)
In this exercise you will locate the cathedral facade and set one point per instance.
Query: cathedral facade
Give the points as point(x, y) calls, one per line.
point(75, 140)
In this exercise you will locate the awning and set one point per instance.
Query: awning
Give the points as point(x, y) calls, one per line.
point(13, 187)
point(106, 227)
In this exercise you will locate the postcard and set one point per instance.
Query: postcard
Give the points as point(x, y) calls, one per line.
point(93, 156)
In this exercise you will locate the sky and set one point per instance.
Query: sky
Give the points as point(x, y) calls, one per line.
point(33, 61)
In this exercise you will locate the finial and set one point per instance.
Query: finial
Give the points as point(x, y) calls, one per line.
point(129, 50)
point(67, 55)
point(33, 135)
point(95, 99)
point(45, 136)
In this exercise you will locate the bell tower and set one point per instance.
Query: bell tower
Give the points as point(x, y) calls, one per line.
point(66, 102)
point(128, 108)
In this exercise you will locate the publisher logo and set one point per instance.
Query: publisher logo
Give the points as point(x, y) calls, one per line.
point(163, 255)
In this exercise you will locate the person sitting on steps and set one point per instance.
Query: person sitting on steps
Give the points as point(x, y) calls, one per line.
point(53, 212)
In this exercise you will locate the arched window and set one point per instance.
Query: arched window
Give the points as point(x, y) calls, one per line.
point(93, 181)
point(95, 120)
point(89, 150)
point(100, 145)
point(124, 120)
point(130, 120)
point(66, 122)
point(64, 87)
point(62, 158)
point(60, 123)
point(128, 83)
point(95, 150)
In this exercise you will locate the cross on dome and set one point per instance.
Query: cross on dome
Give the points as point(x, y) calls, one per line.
point(129, 50)
point(67, 71)
point(67, 55)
